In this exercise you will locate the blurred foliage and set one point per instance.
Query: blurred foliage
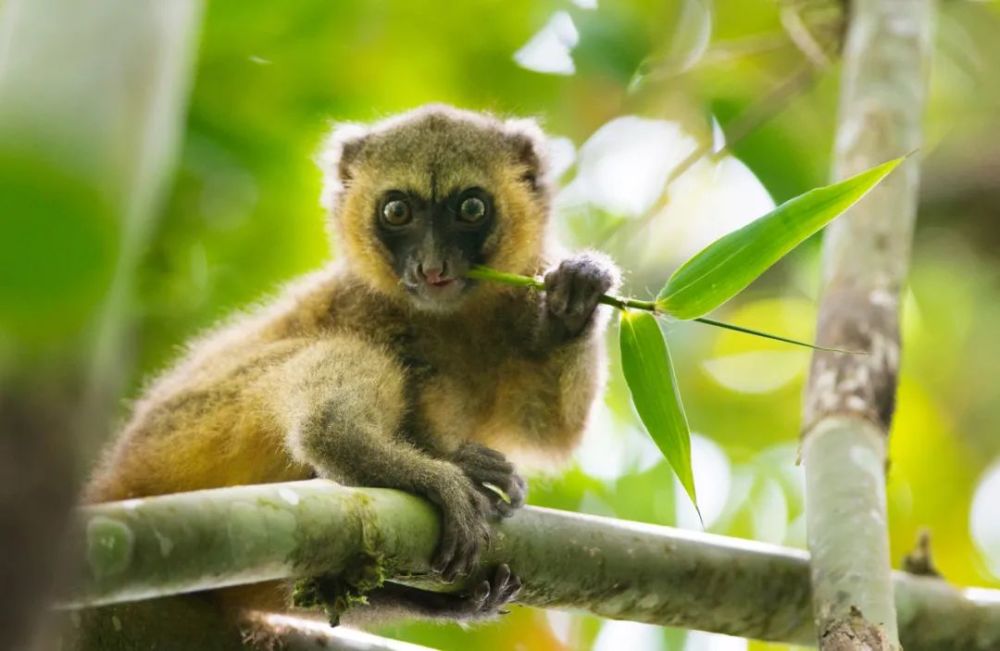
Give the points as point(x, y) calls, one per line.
point(242, 217)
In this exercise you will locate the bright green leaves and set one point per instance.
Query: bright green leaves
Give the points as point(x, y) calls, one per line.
point(706, 281)
point(650, 378)
point(725, 267)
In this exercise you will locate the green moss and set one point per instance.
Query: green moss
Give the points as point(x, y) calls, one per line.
point(335, 594)
point(365, 571)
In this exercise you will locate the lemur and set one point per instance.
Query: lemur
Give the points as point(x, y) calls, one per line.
point(389, 367)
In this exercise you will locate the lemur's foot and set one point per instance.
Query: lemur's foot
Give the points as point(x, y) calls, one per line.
point(488, 597)
point(572, 291)
point(483, 600)
point(483, 465)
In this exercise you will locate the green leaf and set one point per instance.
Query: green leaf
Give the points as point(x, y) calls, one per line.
point(725, 267)
point(650, 378)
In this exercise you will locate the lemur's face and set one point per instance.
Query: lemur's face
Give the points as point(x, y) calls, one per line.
point(432, 241)
point(419, 200)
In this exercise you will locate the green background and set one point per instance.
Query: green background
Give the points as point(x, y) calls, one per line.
point(242, 216)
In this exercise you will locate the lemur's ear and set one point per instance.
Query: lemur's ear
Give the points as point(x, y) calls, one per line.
point(530, 148)
point(336, 159)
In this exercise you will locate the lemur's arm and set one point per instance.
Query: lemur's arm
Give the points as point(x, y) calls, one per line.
point(549, 389)
point(342, 401)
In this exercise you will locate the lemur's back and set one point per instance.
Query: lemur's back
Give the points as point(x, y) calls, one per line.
point(203, 423)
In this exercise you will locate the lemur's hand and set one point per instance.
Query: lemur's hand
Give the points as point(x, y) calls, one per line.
point(571, 293)
point(483, 465)
point(467, 505)
point(465, 515)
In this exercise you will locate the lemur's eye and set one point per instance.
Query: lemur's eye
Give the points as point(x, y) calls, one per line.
point(472, 210)
point(396, 212)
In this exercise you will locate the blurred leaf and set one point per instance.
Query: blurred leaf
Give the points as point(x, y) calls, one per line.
point(613, 42)
point(725, 267)
point(650, 377)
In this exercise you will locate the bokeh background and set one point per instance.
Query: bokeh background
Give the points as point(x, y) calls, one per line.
point(672, 122)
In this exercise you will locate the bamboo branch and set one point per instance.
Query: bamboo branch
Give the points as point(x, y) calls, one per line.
point(299, 634)
point(145, 548)
point(850, 399)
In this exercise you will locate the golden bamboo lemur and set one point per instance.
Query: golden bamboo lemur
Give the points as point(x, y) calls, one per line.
point(389, 368)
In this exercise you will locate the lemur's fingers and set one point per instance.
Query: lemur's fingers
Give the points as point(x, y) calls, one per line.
point(573, 290)
point(445, 554)
point(464, 529)
point(475, 460)
point(557, 291)
point(519, 491)
point(489, 596)
point(484, 600)
point(483, 465)
point(462, 553)
point(504, 587)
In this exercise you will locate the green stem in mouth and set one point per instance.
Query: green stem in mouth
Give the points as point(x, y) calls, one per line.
point(624, 302)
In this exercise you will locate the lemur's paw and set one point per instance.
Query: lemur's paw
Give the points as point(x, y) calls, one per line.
point(465, 529)
point(573, 288)
point(487, 598)
point(483, 465)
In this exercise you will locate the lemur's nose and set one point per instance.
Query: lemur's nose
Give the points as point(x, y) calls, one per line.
point(432, 274)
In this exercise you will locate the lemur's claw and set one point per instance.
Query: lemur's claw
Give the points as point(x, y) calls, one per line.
point(483, 465)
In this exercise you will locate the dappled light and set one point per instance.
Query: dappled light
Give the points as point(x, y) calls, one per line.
point(712, 480)
point(623, 166)
point(629, 635)
point(984, 518)
point(749, 365)
point(549, 50)
point(711, 199)
point(698, 641)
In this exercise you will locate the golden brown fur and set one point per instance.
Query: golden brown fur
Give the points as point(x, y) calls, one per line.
point(344, 377)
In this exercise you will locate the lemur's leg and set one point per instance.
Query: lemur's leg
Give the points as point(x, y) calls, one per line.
point(483, 600)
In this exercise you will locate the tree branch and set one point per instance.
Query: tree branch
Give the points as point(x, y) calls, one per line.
point(144, 548)
point(850, 399)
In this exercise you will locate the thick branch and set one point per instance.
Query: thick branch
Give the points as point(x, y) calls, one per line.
point(179, 543)
point(850, 399)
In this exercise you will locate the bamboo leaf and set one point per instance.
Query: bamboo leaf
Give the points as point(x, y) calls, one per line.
point(725, 267)
point(651, 381)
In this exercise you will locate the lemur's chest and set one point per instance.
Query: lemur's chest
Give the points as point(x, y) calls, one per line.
point(456, 382)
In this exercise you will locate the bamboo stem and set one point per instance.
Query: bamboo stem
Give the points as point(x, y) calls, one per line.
point(850, 400)
point(171, 544)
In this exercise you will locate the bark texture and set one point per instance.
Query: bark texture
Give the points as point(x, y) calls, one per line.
point(850, 398)
point(157, 546)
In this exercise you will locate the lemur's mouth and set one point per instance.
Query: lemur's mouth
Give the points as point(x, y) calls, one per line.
point(436, 290)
